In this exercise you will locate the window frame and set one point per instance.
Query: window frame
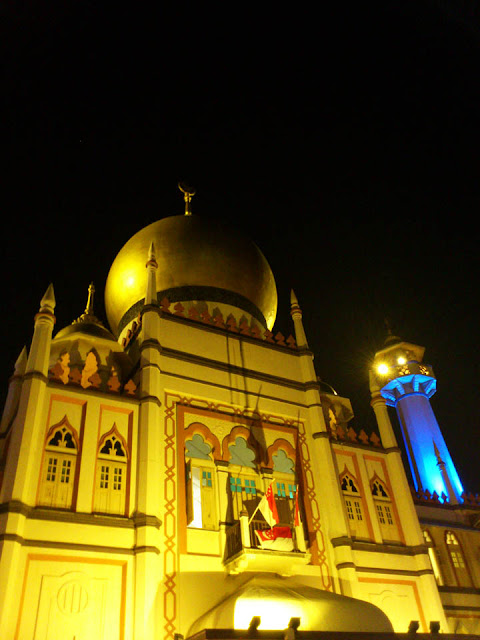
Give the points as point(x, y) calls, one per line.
point(65, 458)
point(385, 511)
point(455, 551)
point(110, 464)
point(354, 506)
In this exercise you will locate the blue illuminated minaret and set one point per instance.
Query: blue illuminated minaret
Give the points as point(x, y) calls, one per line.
point(407, 384)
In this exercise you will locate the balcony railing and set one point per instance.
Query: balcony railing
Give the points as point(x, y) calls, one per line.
point(244, 551)
point(233, 540)
point(241, 535)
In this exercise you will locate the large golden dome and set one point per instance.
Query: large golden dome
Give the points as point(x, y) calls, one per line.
point(198, 259)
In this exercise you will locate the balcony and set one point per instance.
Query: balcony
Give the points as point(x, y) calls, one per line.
point(244, 552)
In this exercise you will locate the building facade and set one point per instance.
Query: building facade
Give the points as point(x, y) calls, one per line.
point(136, 464)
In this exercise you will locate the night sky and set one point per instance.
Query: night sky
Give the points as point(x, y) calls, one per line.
point(344, 144)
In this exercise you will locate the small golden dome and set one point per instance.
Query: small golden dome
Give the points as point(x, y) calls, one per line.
point(87, 323)
point(87, 334)
point(198, 259)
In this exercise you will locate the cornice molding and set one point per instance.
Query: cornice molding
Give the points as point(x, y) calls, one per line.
point(35, 375)
point(144, 520)
point(73, 546)
point(62, 515)
point(150, 398)
point(345, 541)
point(233, 369)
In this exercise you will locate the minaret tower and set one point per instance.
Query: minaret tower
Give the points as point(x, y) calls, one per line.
point(407, 384)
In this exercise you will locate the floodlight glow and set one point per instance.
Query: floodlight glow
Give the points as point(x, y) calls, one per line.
point(275, 614)
point(401, 360)
point(382, 369)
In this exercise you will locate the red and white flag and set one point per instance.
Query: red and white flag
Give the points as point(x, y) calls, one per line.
point(268, 507)
point(277, 539)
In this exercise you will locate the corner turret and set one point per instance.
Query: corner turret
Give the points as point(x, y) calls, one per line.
point(296, 314)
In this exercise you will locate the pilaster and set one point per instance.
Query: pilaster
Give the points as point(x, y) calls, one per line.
point(22, 467)
point(323, 468)
point(23, 461)
point(150, 495)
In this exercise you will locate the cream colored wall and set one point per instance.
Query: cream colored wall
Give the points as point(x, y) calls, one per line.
point(79, 595)
point(459, 593)
point(247, 380)
point(56, 554)
point(242, 390)
point(225, 376)
point(398, 598)
point(93, 415)
point(396, 577)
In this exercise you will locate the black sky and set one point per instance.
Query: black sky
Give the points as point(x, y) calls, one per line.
point(345, 144)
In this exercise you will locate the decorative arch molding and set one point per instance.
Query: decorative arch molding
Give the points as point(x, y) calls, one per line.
point(113, 432)
point(458, 559)
point(240, 432)
point(434, 558)
point(379, 481)
point(207, 435)
point(63, 424)
point(58, 481)
point(427, 536)
point(280, 445)
point(348, 479)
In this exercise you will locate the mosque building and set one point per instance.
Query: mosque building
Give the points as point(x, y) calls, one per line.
point(186, 470)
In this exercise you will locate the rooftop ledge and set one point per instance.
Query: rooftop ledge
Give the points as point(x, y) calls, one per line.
point(285, 563)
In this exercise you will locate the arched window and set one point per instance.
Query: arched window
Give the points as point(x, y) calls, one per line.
point(244, 481)
point(285, 491)
point(111, 476)
point(432, 554)
point(457, 559)
point(384, 510)
point(354, 506)
point(243, 487)
point(59, 467)
point(200, 483)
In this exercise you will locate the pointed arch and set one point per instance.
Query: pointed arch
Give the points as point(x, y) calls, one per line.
point(379, 487)
point(113, 444)
point(384, 510)
point(458, 560)
point(112, 474)
point(432, 554)
point(62, 435)
point(348, 482)
point(354, 505)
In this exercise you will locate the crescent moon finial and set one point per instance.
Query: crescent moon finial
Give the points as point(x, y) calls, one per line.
point(188, 193)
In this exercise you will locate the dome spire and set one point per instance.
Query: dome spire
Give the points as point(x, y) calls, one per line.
point(88, 321)
point(88, 315)
point(91, 293)
point(152, 266)
point(188, 193)
point(391, 337)
point(47, 303)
